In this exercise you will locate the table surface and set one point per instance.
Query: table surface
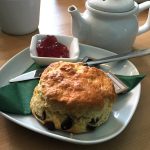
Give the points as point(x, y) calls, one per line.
point(54, 19)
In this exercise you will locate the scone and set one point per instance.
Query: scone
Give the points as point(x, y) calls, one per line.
point(73, 97)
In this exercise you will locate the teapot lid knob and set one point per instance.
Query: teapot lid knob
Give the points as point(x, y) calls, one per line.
point(113, 6)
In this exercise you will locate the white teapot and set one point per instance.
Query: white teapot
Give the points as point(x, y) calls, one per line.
point(109, 24)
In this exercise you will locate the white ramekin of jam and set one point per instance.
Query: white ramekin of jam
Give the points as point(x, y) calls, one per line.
point(45, 49)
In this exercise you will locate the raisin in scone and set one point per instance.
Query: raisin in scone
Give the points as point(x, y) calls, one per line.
point(73, 97)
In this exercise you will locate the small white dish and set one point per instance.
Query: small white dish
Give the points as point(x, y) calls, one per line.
point(70, 42)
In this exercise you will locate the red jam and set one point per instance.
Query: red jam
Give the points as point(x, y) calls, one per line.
point(50, 47)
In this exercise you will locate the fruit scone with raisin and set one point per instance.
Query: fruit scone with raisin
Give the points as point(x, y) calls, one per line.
point(73, 97)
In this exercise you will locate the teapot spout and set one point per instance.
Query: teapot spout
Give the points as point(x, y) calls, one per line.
point(79, 25)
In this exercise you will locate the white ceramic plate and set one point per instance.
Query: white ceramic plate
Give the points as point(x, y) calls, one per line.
point(123, 109)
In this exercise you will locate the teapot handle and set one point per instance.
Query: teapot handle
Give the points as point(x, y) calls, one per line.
point(146, 26)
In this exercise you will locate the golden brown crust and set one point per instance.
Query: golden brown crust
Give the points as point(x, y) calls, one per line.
point(73, 83)
point(72, 97)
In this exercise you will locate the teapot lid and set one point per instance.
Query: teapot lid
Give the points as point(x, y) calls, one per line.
point(113, 6)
